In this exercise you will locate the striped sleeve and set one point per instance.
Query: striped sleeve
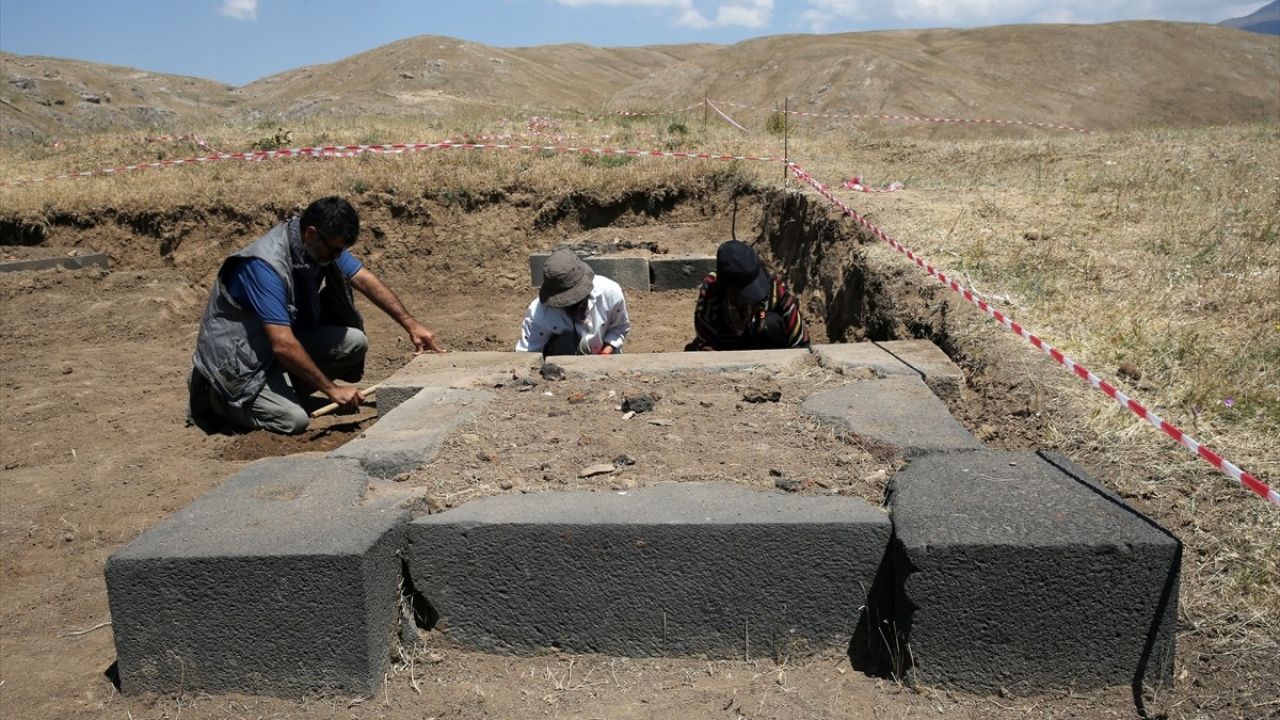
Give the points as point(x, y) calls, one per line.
point(705, 317)
point(786, 305)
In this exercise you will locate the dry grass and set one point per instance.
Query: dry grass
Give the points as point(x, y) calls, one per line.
point(1159, 249)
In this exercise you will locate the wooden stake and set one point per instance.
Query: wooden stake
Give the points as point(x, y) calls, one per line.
point(334, 406)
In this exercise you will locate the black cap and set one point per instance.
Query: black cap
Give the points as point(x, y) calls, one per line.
point(738, 266)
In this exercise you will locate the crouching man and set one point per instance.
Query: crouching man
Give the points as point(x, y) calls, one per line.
point(281, 323)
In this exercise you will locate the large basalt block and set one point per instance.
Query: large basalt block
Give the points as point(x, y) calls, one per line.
point(680, 272)
point(862, 356)
point(282, 580)
point(942, 376)
point(673, 569)
point(69, 262)
point(1015, 570)
point(629, 271)
point(899, 412)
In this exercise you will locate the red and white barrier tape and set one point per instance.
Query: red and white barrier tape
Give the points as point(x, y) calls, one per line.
point(914, 118)
point(1190, 443)
point(347, 151)
point(856, 184)
point(726, 118)
point(192, 137)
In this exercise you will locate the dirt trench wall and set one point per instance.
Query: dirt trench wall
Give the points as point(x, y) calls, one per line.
point(850, 285)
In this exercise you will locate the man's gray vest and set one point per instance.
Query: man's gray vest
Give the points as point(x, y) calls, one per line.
point(233, 351)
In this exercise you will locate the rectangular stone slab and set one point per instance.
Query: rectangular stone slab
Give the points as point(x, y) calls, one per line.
point(900, 412)
point(70, 262)
point(673, 569)
point(280, 581)
point(629, 271)
point(680, 272)
point(460, 370)
point(1015, 570)
point(409, 436)
point(857, 356)
point(942, 376)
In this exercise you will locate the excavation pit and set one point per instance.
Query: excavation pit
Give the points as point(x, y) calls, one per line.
point(664, 505)
point(458, 430)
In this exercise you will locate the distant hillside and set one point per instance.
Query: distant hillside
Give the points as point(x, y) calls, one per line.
point(1264, 20)
point(1099, 76)
point(43, 97)
point(1111, 76)
point(435, 75)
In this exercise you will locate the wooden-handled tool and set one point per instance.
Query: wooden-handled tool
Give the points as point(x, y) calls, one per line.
point(334, 406)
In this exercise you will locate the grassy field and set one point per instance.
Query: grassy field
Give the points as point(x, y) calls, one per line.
point(1151, 257)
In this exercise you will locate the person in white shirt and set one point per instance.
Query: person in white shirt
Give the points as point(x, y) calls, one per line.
point(576, 312)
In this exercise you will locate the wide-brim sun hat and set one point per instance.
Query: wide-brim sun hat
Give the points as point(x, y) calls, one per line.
point(741, 270)
point(566, 280)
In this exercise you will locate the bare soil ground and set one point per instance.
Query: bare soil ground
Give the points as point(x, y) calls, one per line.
point(95, 451)
point(702, 427)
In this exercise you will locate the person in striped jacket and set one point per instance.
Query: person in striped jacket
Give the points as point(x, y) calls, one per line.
point(743, 306)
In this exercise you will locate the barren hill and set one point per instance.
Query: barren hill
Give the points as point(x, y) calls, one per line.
point(1118, 75)
point(42, 97)
point(434, 75)
point(1102, 76)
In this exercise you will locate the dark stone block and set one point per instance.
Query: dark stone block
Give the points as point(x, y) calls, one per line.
point(280, 581)
point(672, 569)
point(1015, 570)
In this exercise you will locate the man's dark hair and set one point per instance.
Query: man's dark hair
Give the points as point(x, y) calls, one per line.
point(333, 217)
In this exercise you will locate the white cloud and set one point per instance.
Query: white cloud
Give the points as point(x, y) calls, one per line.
point(240, 9)
point(691, 18)
point(744, 13)
point(825, 15)
point(747, 13)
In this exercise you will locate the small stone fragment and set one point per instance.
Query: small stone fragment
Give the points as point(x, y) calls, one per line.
point(552, 371)
point(787, 484)
point(639, 403)
point(506, 484)
point(435, 505)
point(597, 469)
point(577, 397)
point(623, 461)
point(660, 422)
point(629, 414)
point(762, 393)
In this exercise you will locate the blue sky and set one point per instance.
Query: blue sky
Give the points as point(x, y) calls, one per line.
point(238, 41)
